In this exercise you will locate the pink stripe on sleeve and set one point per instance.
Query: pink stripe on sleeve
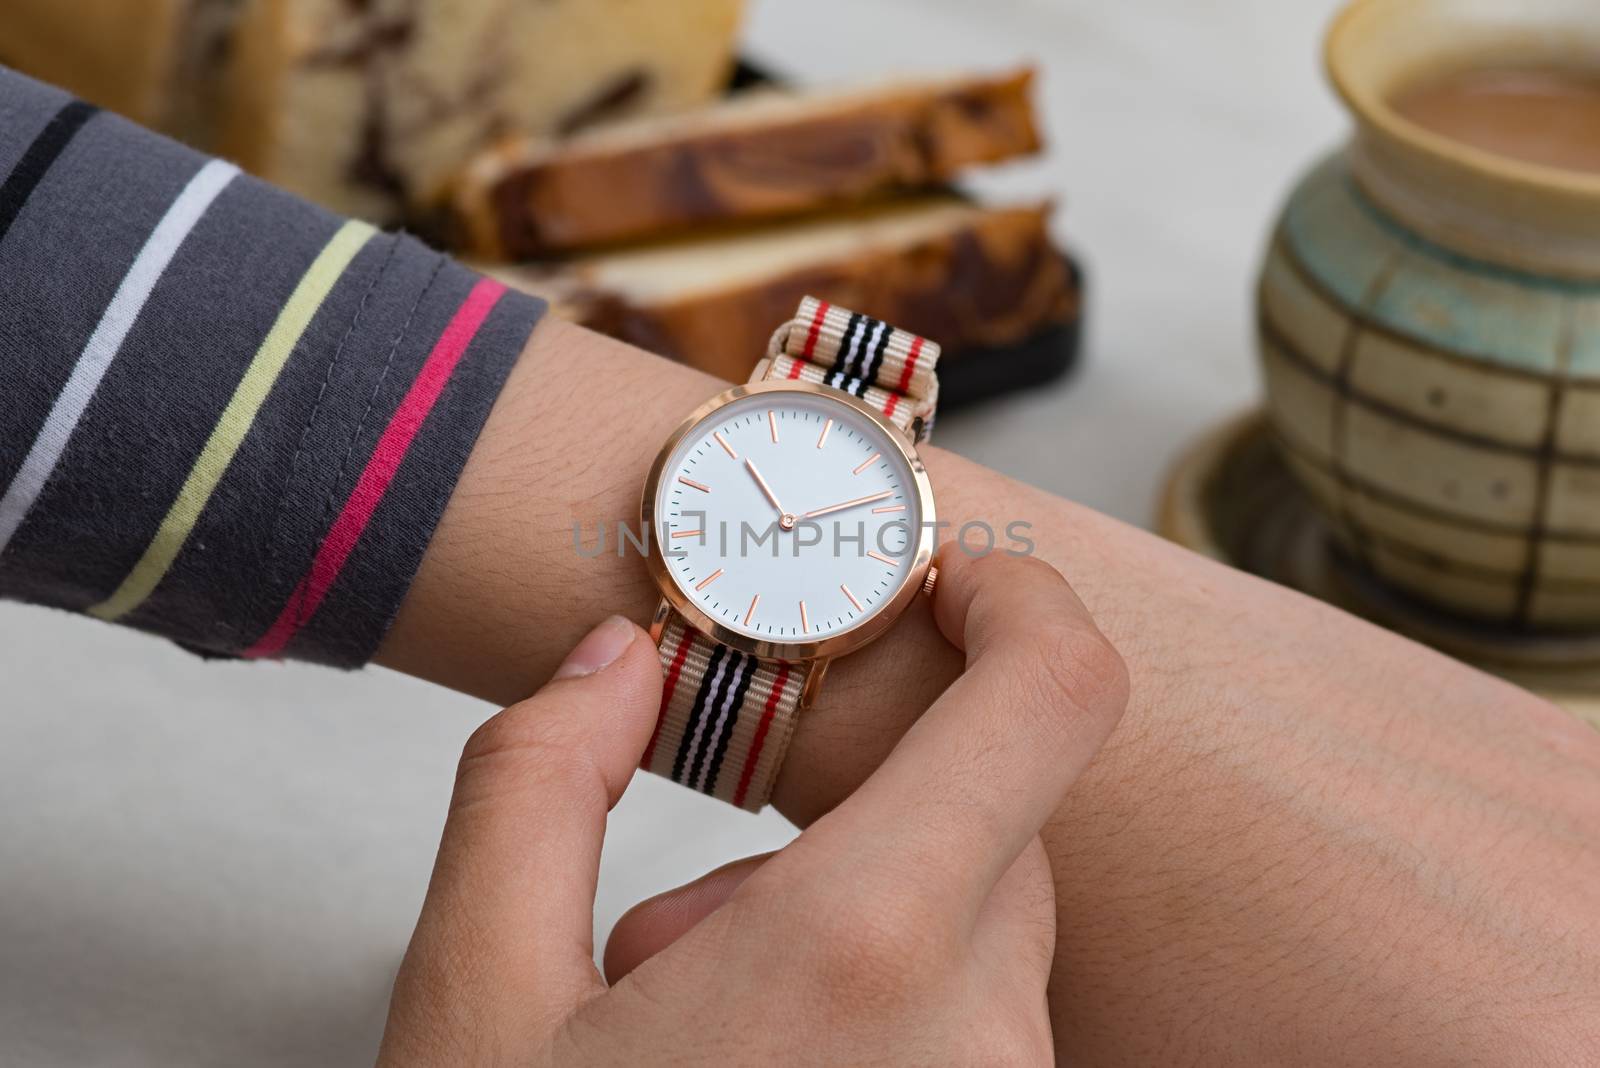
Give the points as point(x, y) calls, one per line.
point(381, 467)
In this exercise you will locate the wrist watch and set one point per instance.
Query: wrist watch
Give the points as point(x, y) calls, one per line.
point(791, 522)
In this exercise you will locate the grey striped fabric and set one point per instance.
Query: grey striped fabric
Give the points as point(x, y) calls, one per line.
point(368, 361)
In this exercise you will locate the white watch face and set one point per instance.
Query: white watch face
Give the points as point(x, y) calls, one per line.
point(788, 516)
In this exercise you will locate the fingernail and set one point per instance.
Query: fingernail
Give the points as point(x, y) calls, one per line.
point(599, 648)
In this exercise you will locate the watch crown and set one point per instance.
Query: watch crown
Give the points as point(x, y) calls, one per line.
point(927, 583)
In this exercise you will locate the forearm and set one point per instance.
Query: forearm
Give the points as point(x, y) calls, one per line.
point(1286, 835)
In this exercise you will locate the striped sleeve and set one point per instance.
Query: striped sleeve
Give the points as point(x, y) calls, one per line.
point(230, 418)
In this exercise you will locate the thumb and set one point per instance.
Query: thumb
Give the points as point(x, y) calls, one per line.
point(506, 934)
point(655, 923)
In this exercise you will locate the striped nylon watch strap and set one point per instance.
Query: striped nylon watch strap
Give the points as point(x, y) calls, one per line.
point(727, 716)
point(865, 357)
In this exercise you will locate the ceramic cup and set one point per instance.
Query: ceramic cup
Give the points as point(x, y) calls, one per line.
point(1429, 321)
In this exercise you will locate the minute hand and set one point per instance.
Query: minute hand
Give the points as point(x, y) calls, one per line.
point(848, 504)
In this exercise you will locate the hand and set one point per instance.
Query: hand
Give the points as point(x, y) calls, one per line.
point(912, 924)
point(1346, 848)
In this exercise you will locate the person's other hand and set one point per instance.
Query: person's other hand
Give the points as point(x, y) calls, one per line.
point(912, 924)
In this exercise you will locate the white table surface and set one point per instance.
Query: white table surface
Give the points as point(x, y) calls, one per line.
point(204, 863)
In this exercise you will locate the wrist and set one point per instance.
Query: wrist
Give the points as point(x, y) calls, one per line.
point(503, 587)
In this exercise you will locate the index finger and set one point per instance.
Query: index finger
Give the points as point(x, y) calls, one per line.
point(977, 776)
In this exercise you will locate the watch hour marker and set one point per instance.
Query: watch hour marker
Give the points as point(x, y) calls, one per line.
point(804, 626)
point(687, 533)
point(866, 463)
point(880, 557)
point(724, 443)
point(846, 591)
point(889, 508)
point(709, 579)
point(701, 486)
point(748, 612)
point(822, 438)
point(772, 421)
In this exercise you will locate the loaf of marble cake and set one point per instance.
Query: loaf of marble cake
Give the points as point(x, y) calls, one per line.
point(968, 276)
point(119, 54)
point(757, 154)
point(366, 106)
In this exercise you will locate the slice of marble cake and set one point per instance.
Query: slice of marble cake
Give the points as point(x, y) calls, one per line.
point(758, 154)
point(971, 277)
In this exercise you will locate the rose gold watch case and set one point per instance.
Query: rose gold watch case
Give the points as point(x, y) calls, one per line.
point(861, 633)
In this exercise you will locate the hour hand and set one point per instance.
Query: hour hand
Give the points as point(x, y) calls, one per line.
point(766, 489)
point(842, 505)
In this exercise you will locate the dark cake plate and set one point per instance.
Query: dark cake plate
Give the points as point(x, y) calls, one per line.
point(968, 376)
point(1230, 497)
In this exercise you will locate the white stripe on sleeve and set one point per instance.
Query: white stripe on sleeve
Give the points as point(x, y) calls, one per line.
point(106, 341)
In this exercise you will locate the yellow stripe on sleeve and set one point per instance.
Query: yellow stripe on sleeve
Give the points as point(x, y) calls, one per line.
point(236, 419)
